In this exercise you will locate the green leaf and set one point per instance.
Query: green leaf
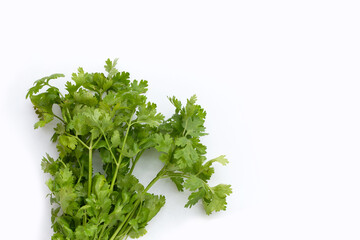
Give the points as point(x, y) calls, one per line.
point(84, 97)
point(179, 182)
point(68, 141)
point(147, 115)
point(85, 232)
point(64, 177)
point(194, 127)
point(64, 227)
point(217, 201)
point(71, 88)
point(140, 87)
point(39, 84)
point(67, 197)
point(45, 118)
point(163, 142)
point(80, 77)
point(105, 155)
point(182, 142)
point(79, 123)
point(136, 234)
point(176, 103)
point(120, 81)
point(115, 139)
point(221, 159)
point(195, 197)
point(110, 67)
point(154, 203)
point(186, 156)
point(48, 165)
point(193, 183)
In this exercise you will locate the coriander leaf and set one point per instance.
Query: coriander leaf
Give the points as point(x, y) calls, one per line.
point(110, 67)
point(39, 84)
point(179, 182)
point(147, 115)
point(162, 142)
point(221, 159)
point(115, 139)
point(140, 87)
point(176, 103)
point(195, 197)
point(193, 183)
point(68, 141)
point(217, 200)
point(186, 156)
point(48, 165)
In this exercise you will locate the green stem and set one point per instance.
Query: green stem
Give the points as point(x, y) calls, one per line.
point(158, 176)
point(53, 115)
point(114, 177)
point(186, 123)
point(80, 141)
point(62, 163)
point(107, 143)
point(130, 214)
point(121, 154)
point(81, 171)
point(136, 160)
point(125, 232)
point(94, 145)
point(59, 118)
point(102, 231)
point(90, 168)
point(176, 175)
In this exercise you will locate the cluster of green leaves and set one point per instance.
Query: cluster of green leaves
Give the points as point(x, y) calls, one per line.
point(110, 114)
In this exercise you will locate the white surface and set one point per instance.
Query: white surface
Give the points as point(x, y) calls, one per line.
point(279, 80)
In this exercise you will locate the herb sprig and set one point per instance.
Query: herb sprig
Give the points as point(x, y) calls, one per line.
point(110, 114)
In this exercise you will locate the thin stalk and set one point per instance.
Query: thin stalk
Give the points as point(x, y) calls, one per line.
point(130, 214)
point(114, 177)
point(81, 171)
point(62, 163)
point(54, 115)
point(135, 161)
point(90, 176)
point(80, 141)
point(121, 154)
point(153, 182)
point(96, 142)
point(102, 231)
point(90, 168)
point(107, 143)
point(176, 175)
point(124, 234)
point(59, 118)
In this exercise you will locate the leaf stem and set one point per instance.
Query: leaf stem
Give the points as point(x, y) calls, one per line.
point(121, 154)
point(128, 216)
point(132, 212)
point(81, 170)
point(58, 118)
point(90, 167)
point(107, 143)
point(102, 231)
point(136, 160)
point(80, 141)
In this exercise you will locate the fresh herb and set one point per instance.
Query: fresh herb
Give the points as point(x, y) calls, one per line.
point(109, 114)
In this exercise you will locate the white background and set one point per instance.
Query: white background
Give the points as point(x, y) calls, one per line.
point(279, 80)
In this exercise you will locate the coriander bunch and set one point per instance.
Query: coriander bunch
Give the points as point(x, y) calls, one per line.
point(109, 114)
